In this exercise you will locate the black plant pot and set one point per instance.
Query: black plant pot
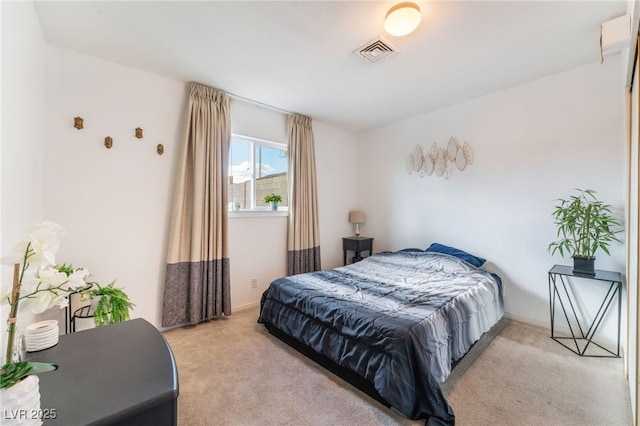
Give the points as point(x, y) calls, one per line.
point(584, 265)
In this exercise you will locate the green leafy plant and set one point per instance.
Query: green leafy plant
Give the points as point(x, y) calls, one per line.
point(272, 198)
point(585, 224)
point(11, 373)
point(114, 304)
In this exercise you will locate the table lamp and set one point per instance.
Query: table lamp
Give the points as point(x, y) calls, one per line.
point(357, 217)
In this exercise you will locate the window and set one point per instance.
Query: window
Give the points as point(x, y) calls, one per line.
point(256, 168)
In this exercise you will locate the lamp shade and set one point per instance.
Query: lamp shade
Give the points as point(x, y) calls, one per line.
point(357, 216)
point(402, 19)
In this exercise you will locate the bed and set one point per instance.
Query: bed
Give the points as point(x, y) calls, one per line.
point(397, 321)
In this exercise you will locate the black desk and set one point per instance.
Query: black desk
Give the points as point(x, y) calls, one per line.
point(357, 245)
point(557, 276)
point(122, 374)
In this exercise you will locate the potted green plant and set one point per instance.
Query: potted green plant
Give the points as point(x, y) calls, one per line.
point(273, 199)
point(585, 224)
point(113, 304)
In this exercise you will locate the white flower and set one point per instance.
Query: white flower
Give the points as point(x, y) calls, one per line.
point(17, 254)
point(6, 298)
point(51, 277)
point(62, 302)
point(39, 302)
point(30, 281)
point(77, 279)
point(45, 240)
point(36, 296)
point(47, 287)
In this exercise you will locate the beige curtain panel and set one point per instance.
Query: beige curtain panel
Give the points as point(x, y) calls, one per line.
point(303, 239)
point(197, 282)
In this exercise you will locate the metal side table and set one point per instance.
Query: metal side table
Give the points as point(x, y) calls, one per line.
point(559, 276)
point(70, 315)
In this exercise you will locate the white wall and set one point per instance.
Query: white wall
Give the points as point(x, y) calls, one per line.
point(533, 143)
point(22, 141)
point(337, 161)
point(115, 203)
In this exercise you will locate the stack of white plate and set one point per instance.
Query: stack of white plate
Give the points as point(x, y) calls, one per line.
point(41, 335)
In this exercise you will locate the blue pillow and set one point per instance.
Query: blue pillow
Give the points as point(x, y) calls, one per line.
point(441, 248)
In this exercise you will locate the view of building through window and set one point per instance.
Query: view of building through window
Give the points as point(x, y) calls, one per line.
point(256, 168)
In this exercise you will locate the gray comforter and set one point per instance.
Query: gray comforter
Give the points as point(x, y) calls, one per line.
point(398, 320)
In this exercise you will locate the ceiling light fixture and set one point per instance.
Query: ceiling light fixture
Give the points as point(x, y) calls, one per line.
point(402, 19)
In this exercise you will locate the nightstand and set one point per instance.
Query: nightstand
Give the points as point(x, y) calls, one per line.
point(357, 245)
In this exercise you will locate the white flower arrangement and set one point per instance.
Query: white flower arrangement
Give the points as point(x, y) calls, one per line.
point(43, 284)
point(38, 282)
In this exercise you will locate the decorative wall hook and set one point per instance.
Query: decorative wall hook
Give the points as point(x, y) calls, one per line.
point(160, 149)
point(78, 123)
point(440, 160)
point(138, 133)
point(108, 142)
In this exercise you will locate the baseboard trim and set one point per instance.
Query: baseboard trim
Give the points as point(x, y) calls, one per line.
point(244, 307)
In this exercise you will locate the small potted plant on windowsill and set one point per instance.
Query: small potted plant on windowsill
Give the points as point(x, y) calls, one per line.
point(273, 199)
point(585, 224)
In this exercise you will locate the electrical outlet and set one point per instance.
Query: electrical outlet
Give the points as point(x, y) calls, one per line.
point(254, 283)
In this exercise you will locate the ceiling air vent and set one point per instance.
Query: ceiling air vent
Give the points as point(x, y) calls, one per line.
point(376, 49)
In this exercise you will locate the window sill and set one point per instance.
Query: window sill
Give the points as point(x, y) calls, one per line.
point(257, 213)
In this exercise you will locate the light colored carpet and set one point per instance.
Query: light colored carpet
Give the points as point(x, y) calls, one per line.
point(233, 372)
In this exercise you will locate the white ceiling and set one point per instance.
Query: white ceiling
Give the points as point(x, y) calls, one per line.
point(298, 55)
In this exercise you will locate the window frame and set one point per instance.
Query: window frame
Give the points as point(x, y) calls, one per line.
point(255, 209)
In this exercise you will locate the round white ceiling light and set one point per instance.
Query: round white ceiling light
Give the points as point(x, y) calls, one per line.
point(402, 19)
